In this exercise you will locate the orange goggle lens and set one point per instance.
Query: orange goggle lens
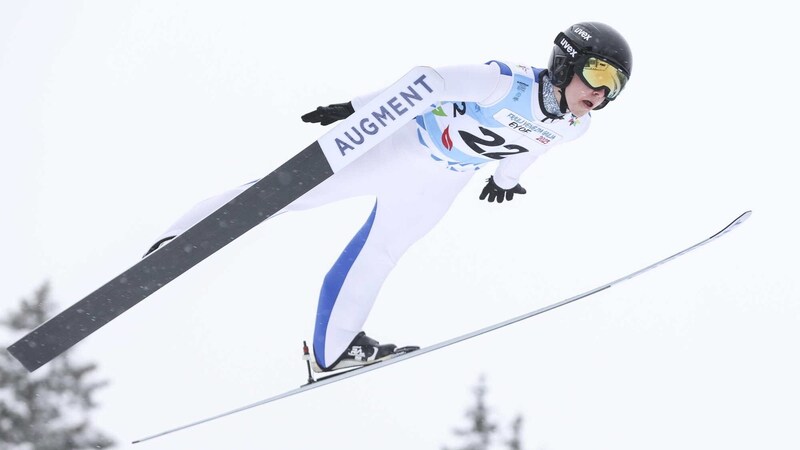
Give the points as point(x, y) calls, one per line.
point(599, 74)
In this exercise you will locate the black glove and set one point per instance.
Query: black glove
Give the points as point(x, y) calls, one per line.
point(326, 115)
point(493, 191)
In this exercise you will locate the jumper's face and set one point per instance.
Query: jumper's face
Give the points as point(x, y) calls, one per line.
point(581, 98)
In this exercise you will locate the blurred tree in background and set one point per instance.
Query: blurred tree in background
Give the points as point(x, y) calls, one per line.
point(47, 409)
point(481, 430)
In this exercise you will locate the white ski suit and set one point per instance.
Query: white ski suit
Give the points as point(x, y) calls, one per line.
point(492, 113)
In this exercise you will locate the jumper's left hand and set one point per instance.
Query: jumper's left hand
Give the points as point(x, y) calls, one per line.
point(326, 115)
point(495, 192)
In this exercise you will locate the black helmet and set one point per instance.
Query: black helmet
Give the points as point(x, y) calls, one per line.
point(594, 51)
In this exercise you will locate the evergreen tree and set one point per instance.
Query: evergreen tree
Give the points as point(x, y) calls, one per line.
point(47, 409)
point(515, 441)
point(480, 433)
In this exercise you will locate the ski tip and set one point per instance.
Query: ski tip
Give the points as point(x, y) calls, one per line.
point(744, 216)
point(738, 221)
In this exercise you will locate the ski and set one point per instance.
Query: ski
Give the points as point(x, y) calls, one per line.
point(349, 373)
point(349, 139)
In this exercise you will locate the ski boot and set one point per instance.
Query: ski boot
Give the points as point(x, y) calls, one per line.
point(158, 245)
point(363, 350)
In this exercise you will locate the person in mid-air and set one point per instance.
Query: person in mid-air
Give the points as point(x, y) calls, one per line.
point(496, 112)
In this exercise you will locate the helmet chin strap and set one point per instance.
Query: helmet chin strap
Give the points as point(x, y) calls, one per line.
point(563, 103)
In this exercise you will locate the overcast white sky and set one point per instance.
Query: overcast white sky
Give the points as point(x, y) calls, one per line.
point(117, 116)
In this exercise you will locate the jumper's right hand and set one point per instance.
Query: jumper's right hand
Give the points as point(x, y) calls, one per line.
point(495, 192)
point(326, 115)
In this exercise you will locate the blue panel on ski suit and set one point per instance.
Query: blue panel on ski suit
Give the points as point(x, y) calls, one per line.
point(333, 284)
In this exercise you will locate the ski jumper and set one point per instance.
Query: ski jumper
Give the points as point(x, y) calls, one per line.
point(491, 113)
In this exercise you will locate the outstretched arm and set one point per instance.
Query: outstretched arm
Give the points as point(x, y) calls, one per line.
point(480, 83)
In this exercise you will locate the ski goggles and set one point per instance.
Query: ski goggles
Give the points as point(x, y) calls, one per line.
point(600, 74)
